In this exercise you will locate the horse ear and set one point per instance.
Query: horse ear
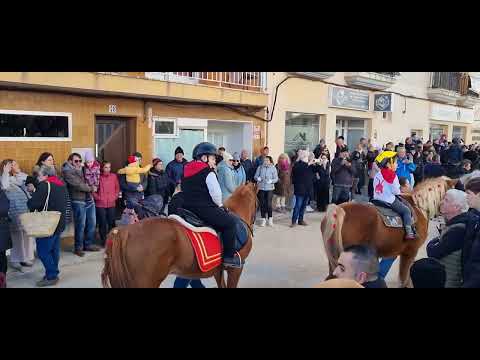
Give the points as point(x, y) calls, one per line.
point(452, 183)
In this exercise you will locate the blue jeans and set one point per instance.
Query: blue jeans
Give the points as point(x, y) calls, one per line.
point(385, 265)
point(48, 251)
point(181, 283)
point(301, 203)
point(85, 219)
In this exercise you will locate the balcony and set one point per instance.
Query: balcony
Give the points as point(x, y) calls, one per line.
point(314, 75)
point(250, 81)
point(446, 87)
point(372, 80)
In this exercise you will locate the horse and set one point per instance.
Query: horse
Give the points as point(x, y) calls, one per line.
point(141, 255)
point(360, 224)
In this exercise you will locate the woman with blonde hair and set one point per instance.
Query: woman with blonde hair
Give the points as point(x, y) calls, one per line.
point(283, 186)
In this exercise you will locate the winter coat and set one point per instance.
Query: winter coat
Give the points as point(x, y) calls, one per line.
point(448, 247)
point(471, 252)
point(341, 174)
point(18, 197)
point(92, 174)
point(302, 179)
point(5, 238)
point(432, 170)
point(174, 170)
point(108, 191)
point(249, 169)
point(159, 184)
point(283, 187)
point(240, 176)
point(226, 179)
point(406, 170)
point(76, 185)
point(268, 177)
point(56, 202)
point(454, 154)
point(323, 178)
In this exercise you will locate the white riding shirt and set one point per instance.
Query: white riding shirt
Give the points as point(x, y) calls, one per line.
point(384, 191)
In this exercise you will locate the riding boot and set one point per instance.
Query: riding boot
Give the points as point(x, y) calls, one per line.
point(409, 234)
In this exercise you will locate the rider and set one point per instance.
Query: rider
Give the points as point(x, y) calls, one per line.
point(203, 196)
point(386, 188)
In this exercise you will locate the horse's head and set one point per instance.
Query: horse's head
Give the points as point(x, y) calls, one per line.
point(243, 201)
point(429, 194)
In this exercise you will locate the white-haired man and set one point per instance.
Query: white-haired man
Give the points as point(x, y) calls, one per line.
point(448, 247)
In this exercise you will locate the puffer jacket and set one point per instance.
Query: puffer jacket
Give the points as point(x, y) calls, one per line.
point(108, 191)
point(18, 197)
point(240, 176)
point(268, 177)
point(77, 187)
point(226, 179)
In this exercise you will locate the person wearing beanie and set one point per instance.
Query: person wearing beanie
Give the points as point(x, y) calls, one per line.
point(158, 182)
point(428, 273)
point(239, 171)
point(91, 170)
point(133, 181)
point(133, 170)
point(226, 176)
point(174, 169)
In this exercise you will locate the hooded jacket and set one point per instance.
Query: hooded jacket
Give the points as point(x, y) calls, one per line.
point(76, 184)
point(108, 191)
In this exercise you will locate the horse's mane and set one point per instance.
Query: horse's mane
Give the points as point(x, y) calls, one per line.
point(428, 194)
point(240, 195)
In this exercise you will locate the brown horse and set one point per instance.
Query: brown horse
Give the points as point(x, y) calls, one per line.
point(141, 255)
point(355, 224)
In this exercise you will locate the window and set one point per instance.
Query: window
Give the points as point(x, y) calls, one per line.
point(302, 131)
point(352, 130)
point(459, 132)
point(187, 139)
point(31, 125)
point(165, 128)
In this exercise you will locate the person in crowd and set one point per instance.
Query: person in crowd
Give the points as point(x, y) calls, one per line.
point(434, 168)
point(447, 248)
point(259, 161)
point(159, 183)
point(221, 151)
point(5, 238)
point(390, 146)
point(387, 187)
point(247, 165)
point(359, 263)
point(406, 167)
point(409, 145)
point(203, 196)
point(471, 249)
point(418, 174)
point(283, 185)
point(466, 167)
point(182, 283)
point(45, 158)
point(106, 200)
point(321, 170)
point(132, 193)
point(372, 168)
point(175, 167)
point(405, 187)
point(428, 273)
point(266, 177)
point(92, 170)
point(319, 149)
point(341, 146)
point(313, 194)
point(134, 180)
point(226, 176)
point(473, 156)
point(13, 183)
point(454, 153)
point(342, 176)
point(239, 171)
point(358, 170)
point(83, 205)
point(302, 179)
point(48, 249)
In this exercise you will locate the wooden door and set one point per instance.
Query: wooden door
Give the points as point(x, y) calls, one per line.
point(111, 137)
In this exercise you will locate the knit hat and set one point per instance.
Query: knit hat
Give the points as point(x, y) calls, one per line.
point(179, 150)
point(156, 161)
point(132, 159)
point(236, 157)
point(89, 156)
point(138, 155)
point(428, 273)
point(227, 156)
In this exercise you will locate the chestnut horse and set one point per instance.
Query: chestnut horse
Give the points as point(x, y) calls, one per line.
point(356, 224)
point(141, 255)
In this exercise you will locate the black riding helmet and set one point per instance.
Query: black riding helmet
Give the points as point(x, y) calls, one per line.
point(204, 148)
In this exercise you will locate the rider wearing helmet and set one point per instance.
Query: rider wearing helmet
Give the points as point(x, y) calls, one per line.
point(203, 197)
point(386, 188)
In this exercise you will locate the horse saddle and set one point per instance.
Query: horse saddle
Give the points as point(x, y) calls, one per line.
point(391, 218)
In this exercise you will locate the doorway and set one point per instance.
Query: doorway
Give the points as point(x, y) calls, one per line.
point(352, 129)
point(113, 140)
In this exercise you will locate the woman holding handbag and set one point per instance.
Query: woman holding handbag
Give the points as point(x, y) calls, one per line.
point(13, 183)
point(51, 194)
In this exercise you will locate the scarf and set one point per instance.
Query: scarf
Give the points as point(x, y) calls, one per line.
point(389, 175)
point(283, 164)
point(55, 180)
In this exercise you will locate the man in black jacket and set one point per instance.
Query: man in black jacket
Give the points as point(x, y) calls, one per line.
point(342, 177)
point(5, 239)
point(247, 165)
point(48, 249)
point(471, 250)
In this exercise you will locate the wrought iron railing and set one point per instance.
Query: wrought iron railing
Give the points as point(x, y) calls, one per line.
point(392, 74)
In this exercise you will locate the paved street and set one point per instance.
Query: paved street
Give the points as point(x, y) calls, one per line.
point(281, 257)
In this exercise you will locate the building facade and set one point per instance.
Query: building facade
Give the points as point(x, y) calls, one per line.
point(307, 107)
point(116, 114)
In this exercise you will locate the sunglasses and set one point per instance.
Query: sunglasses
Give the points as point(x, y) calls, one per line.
point(77, 161)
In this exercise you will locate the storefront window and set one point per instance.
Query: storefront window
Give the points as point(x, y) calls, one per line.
point(187, 139)
point(15, 124)
point(436, 132)
point(302, 131)
point(352, 130)
point(459, 132)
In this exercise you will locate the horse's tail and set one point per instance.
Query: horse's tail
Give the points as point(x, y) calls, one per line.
point(115, 271)
point(332, 233)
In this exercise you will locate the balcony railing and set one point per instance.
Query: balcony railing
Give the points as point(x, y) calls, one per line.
point(452, 88)
point(253, 81)
point(371, 80)
point(446, 80)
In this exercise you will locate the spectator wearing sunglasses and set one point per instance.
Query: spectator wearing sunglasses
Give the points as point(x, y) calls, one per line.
point(82, 203)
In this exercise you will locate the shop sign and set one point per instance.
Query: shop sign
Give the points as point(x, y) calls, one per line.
point(349, 98)
point(383, 102)
point(451, 113)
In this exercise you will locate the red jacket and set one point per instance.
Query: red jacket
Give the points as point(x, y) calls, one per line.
point(108, 191)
